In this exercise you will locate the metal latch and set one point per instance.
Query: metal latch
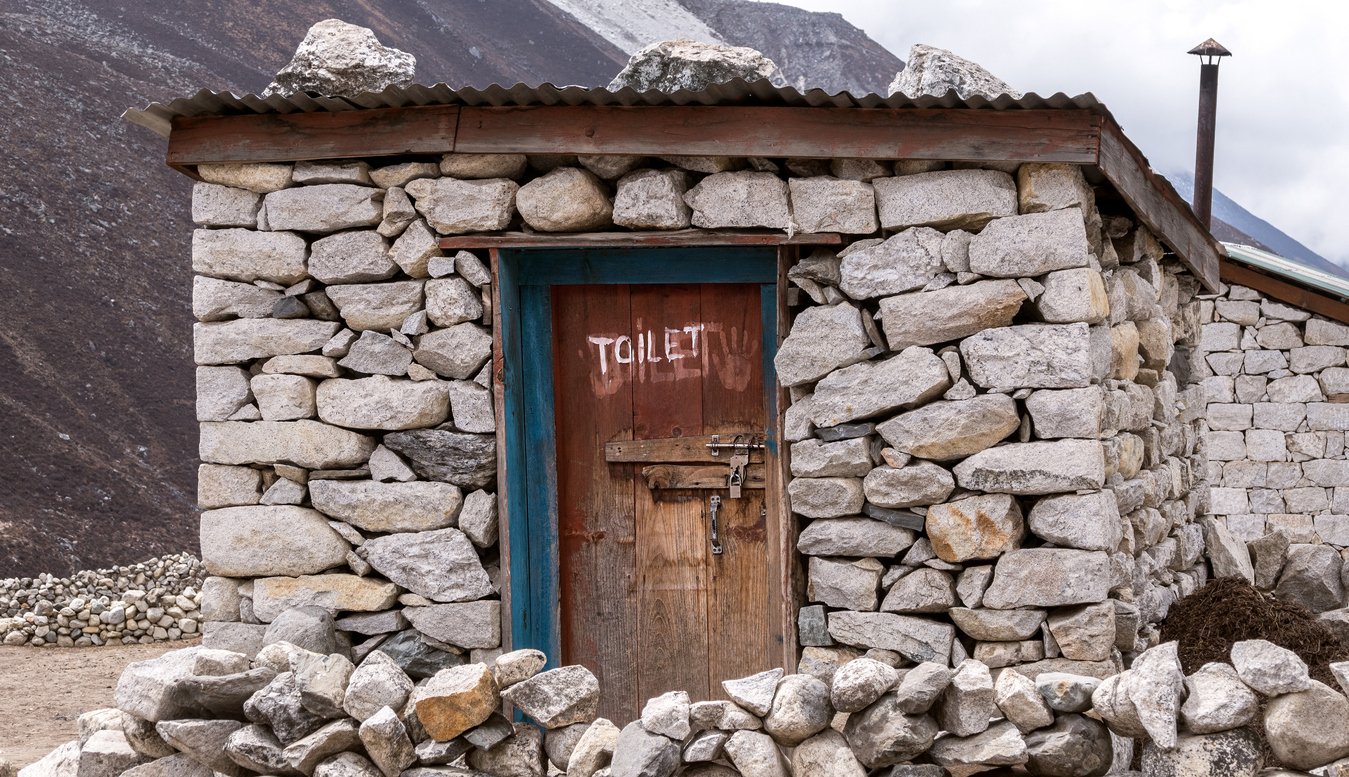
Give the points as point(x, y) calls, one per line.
point(713, 505)
point(739, 459)
point(754, 443)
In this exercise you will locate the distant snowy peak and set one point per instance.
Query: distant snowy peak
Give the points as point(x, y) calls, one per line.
point(1235, 224)
point(814, 49)
point(631, 25)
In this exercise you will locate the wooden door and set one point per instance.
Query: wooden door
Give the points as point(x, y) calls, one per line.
point(644, 601)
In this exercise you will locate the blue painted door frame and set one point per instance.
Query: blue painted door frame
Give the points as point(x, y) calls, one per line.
point(526, 278)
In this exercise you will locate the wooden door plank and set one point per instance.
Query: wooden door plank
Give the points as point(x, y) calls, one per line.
point(672, 544)
point(595, 504)
point(670, 450)
point(503, 455)
point(658, 476)
point(1044, 135)
point(743, 629)
point(781, 524)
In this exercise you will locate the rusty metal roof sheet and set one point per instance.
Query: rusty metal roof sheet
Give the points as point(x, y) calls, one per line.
point(158, 116)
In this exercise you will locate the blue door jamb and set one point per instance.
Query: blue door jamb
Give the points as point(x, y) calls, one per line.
point(526, 277)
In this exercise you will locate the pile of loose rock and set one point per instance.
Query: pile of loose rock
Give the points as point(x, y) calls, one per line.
point(151, 601)
point(303, 707)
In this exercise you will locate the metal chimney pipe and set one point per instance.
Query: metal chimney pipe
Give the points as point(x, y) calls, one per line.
point(1210, 51)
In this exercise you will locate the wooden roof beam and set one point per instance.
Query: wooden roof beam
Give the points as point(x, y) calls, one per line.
point(821, 133)
point(765, 131)
point(1157, 205)
point(296, 137)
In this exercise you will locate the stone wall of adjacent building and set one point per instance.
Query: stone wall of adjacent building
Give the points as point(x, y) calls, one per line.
point(994, 436)
point(1276, 379)
point(992, 455)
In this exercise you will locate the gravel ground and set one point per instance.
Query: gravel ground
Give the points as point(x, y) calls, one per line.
point(45, 690)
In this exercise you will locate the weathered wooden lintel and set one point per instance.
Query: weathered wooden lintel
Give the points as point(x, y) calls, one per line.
point(678, 237)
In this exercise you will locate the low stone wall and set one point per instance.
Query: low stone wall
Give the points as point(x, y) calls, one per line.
point(153, 601)
point(293, 711)
point(1276, 380)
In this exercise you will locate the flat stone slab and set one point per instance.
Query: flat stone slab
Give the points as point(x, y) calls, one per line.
point(256, 541)
point(1048, 577)
point(388, 507)
point(307, 444)
point(334, 593)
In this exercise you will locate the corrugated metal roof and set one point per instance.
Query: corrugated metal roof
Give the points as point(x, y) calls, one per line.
point(1292, 270)
point(157, 116)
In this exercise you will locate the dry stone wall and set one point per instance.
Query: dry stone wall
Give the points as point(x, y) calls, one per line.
point(156, 600)
point(1276, 381)
point(993, 432)
point(992, 455)
point(347, 430)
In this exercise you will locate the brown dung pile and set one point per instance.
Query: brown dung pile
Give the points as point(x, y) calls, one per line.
point(1207, 623)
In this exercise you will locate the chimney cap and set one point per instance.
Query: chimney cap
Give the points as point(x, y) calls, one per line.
point(1210, 48)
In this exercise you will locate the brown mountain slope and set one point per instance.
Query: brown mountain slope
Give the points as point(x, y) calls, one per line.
point(95, 355)
point(96, 380)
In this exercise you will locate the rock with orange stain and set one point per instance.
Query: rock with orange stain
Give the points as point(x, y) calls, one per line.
point(457, 699)
point(983, 526)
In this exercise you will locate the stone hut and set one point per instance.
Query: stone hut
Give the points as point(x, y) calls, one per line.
point(683, 386)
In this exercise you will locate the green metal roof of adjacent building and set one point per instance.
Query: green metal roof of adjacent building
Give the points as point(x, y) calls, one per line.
point(1289, 269)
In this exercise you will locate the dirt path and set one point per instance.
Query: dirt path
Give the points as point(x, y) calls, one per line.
point(46, 689)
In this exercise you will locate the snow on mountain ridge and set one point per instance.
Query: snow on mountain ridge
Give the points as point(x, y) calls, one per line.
point(1250, 228)
point(631, 26)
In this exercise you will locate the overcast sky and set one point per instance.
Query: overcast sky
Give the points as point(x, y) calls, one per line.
point(1283, 97)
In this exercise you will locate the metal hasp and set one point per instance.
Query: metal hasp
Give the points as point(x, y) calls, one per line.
point(713, 506)
point(1210, 52)
point(740, 448)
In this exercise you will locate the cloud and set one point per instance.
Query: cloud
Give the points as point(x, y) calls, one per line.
point(1283, 108)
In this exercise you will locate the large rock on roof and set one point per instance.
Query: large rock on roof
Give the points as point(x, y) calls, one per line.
point(340, 59)
point(672, 65)
point(934, 71)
